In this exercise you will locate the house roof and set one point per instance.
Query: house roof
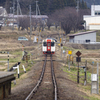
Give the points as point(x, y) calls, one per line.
point(3, 12)
point(81, 33)
point(33, 16)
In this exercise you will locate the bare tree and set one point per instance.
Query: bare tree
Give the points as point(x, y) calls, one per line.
point(49, 23)
point(69, 18)
point(0, 27)
point(24, 23)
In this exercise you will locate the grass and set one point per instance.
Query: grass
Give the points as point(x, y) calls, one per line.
point(90, 98)
point(72, 75)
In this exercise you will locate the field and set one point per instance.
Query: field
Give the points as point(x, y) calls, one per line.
point(9, 42)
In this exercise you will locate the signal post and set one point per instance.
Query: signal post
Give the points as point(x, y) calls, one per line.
point(78, 59)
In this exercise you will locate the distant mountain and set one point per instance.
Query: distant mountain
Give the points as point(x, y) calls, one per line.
point(91, 2)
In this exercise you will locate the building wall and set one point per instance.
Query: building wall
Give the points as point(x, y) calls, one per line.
point(93, 27)
point(93, 20)
point(94, 9)
point(82, 38)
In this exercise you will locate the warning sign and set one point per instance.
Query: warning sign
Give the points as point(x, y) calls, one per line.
point(69, 52)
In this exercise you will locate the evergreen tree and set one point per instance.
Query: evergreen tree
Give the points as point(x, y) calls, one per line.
point(46, 6)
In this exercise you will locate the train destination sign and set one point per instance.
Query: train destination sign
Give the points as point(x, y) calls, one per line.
point(78, 53)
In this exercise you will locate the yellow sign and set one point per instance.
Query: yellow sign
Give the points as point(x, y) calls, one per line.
point(60, 40)
point(58, 44)
point(70, 52)
point(37, 39)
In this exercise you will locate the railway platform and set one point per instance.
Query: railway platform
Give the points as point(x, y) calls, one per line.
point(5, 83)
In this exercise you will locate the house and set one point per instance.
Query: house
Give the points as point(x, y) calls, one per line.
point(43, 17)
point(3, 12)
point(3, 16)
point(93, 20)
point(83, 37)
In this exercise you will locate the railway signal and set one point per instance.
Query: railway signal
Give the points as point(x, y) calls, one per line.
point(78, 59)
point(61, 44)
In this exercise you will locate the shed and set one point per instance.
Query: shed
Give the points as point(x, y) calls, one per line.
point(5, 83)
point(83, 37)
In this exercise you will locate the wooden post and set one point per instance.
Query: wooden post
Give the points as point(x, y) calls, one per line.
point(78, 74)
point(85, 78)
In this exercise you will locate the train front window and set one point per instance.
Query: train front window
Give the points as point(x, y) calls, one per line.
point(52, 43)
point(48, 44)
point(44, 44)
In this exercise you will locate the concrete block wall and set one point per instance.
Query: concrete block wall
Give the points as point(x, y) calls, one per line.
point(91, 46)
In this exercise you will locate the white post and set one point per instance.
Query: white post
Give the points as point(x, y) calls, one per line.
point(18, 70)
point(97, 78)
point(8, 61)
point(24, 68)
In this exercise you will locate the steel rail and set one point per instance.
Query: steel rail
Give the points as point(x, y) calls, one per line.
point(39, 81)
point(53, 79)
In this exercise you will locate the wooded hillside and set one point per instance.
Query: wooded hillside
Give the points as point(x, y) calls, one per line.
point(46, 6)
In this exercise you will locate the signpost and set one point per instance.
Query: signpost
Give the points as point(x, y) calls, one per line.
point(61, 49)
point(95, 81)
point(69, 52)
point(78, 59)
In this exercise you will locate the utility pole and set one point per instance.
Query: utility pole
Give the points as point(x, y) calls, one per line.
point(10, 10)
point(77, 6)
point(13, 13)
point(94, 7)
point(36, 9)
point(17, 11)
point(30, 22)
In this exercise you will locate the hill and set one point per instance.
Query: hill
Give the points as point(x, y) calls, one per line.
point(46, 6)
point(91, 2)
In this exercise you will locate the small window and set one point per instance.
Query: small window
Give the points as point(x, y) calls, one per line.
point(52, 43)
point(48, 44)
point(99, 13)
point(44, 44)
point(87, 40)
point(96, 13)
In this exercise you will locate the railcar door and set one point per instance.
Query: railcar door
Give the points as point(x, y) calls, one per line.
point(48, 46)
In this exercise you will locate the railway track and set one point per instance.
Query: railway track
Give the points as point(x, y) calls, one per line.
point(46, 87)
